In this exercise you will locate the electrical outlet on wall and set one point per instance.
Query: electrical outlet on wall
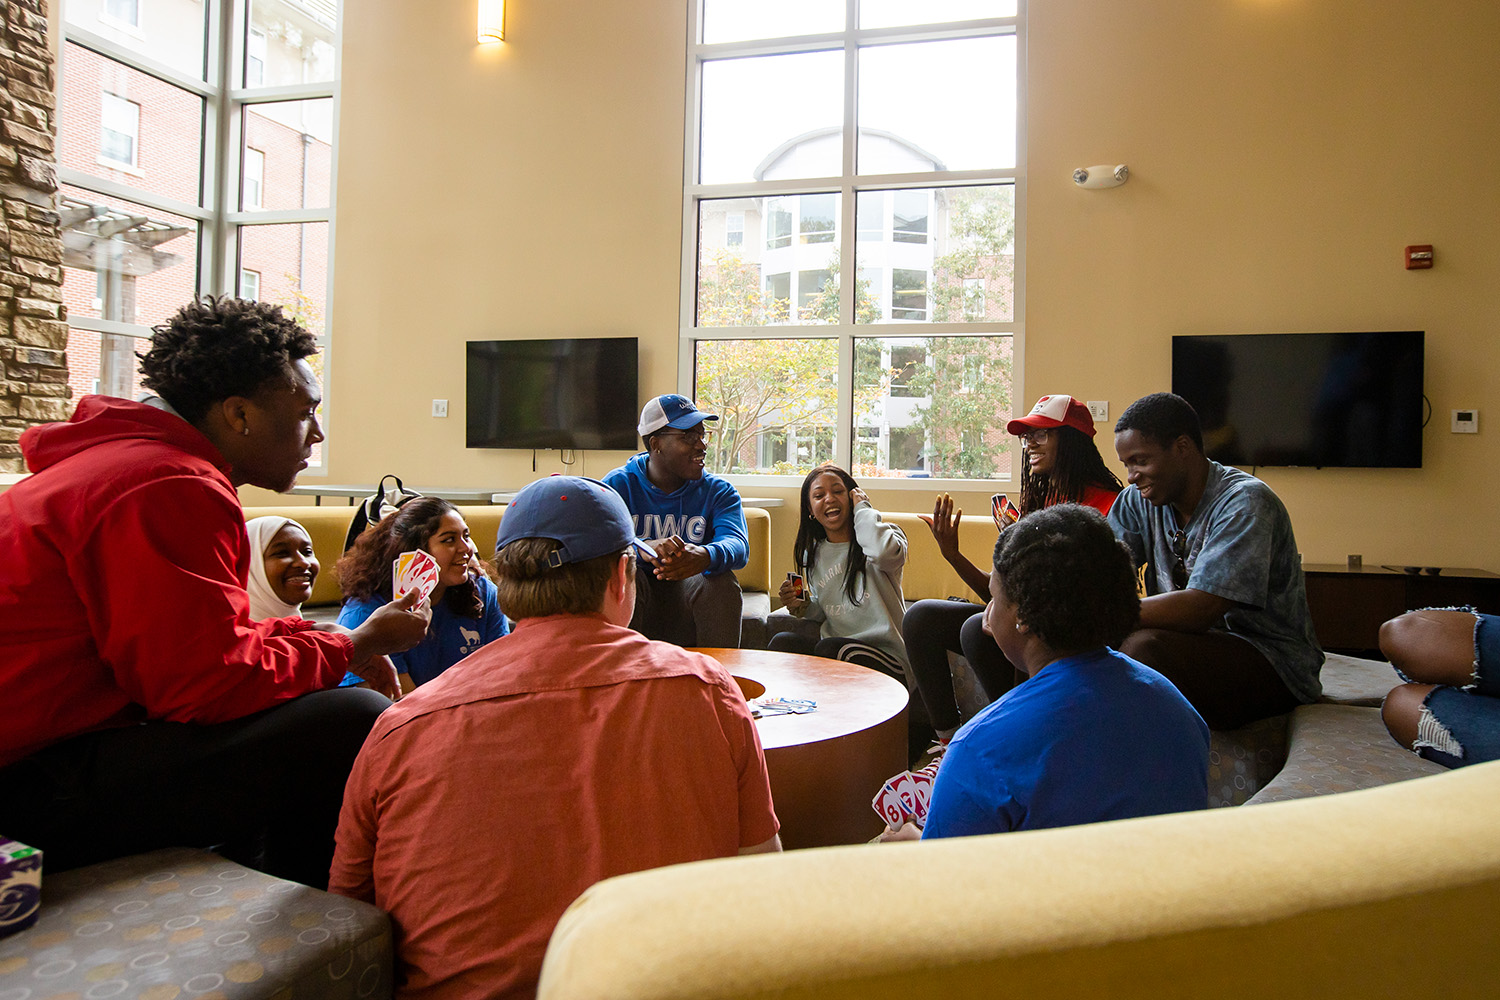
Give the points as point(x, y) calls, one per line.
point(439, 407)
point(1099, 409)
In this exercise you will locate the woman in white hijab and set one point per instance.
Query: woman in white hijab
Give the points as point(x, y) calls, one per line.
point(283, 569)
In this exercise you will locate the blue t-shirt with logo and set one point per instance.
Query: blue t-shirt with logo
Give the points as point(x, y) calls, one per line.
point(450, 637)
point(1093, 737)
point(705, 511)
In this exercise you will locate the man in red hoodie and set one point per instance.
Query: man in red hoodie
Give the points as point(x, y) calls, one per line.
point(143, 708)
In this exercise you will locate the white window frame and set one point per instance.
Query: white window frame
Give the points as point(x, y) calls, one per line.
point(255, 58)
point(227, 31)
point(116, 110)
point(846, 185)
point(253, 197)
point(249, 284)
point(109, 17)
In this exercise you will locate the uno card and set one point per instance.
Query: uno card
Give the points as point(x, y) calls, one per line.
point(799, 589)
point(906, 798)
point(1003, 511)
point(906, 793)
point(414, 571)
point(888, 805)
point(921, 794)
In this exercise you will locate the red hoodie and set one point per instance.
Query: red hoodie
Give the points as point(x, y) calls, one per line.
point(123, 562)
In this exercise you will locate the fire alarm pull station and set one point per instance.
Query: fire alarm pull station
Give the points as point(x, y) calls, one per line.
point(1418, 257)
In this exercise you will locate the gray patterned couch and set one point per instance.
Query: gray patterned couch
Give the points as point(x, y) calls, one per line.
point(182, 924)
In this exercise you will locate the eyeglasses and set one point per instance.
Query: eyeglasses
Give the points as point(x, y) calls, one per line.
point(1179, 542)
point(1036, 438)
point(695, 436)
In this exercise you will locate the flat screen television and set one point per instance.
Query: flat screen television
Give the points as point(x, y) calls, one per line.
point(574, 394)
point(1329, 400)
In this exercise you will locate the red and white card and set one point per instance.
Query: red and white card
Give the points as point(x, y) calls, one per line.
point(905, 798)
point(414, 571)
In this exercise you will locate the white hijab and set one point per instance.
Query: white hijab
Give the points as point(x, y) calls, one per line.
point(263, 600)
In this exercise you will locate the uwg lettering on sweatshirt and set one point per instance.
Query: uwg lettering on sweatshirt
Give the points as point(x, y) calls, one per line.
point(693, 528)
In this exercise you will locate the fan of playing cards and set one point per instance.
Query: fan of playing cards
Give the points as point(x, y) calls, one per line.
point(414, 571)
point(905, 798)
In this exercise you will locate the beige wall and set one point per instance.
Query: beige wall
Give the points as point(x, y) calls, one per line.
point(1282, 153)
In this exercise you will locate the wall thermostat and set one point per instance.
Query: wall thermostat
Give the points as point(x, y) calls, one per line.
point(1466, 421)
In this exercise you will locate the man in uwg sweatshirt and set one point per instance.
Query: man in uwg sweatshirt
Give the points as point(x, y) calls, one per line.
point(693, 520)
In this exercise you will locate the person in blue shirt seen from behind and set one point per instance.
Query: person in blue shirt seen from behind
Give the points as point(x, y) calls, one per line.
point(465, 608)
point(1092, 735)
point(693, 520)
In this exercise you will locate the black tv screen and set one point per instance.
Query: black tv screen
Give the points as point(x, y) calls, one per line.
point(1330, 400)
point(578, 393)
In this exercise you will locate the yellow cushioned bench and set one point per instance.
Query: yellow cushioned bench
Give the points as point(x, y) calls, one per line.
point(327, 527)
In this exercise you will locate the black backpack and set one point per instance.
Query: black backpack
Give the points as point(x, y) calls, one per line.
point(372, 508)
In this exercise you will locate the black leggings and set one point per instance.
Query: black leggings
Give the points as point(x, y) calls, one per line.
point(267, 788)
point(836, 648)
point(932, 629)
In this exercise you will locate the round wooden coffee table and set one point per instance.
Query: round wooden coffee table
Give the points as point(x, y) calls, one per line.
point(827, 765)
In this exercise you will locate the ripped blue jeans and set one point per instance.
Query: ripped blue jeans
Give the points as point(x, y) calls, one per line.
point(1461, 726)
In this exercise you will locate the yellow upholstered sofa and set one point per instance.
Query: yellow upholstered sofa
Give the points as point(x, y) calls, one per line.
point(1388, 892)
point(329, 524)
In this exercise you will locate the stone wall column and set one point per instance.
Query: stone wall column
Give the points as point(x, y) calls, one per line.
point(33, 322)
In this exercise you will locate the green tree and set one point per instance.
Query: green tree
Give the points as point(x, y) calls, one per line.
point(298, 305)
point(981, 241)
point(966, 382)
point(730, 293)
point(763, 387)
point(824, 306)
point(766, 387)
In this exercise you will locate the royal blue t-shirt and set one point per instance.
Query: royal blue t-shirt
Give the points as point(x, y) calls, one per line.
point(1093, 737)
point(450, 637)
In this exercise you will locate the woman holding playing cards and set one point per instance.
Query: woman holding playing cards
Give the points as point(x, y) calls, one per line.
point(465, 608)
point(1060, 465)
point(850, 563)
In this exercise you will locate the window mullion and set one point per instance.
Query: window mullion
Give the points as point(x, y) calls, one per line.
point(220, 130)
point(843, 424)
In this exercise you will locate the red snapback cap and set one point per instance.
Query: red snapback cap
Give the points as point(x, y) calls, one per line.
point(1054, 411)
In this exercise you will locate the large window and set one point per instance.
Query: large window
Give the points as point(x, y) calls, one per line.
point(177, 182)
point(872, 140)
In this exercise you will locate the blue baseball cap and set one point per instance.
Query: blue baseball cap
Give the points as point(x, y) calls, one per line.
point(588, 518)
point(671, 410)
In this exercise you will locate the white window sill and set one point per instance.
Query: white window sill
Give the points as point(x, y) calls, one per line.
point(124, 168)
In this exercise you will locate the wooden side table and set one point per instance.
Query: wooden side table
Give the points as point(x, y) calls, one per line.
point(827, 765)
point(1349, 605)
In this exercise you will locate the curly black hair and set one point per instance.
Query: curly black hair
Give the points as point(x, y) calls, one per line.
point(1162, 417)
point(1078, 466)
point(220, 347)
point(1071, 580)
point(364, 572)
